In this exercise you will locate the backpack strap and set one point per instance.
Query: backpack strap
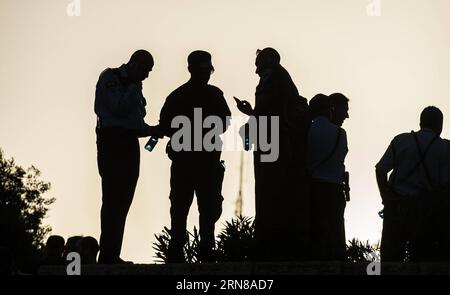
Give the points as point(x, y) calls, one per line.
point(421, 159)
point(423, 155)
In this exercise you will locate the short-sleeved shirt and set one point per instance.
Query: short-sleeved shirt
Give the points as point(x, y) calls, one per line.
point(402, 158)
point(119, 103)
point(322, 138)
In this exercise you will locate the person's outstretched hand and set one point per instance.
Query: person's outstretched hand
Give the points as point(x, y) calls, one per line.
point(244, 106)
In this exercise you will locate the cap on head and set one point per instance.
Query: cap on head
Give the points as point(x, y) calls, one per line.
point(200, 60)
point(320, 104)
point(267, 58)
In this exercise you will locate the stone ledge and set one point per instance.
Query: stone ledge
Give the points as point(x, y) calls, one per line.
point(260, 269)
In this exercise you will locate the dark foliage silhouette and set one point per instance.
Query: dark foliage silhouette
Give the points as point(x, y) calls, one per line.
point(23, 206)
point(235, 242)
point(190, 250)
point(358, 251)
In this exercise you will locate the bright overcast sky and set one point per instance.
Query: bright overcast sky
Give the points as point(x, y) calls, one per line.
point(391, 66)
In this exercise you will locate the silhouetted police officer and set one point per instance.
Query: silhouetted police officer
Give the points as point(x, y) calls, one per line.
point(194, 168)
point(327, 149)
point(120, 109)
point(415, 197)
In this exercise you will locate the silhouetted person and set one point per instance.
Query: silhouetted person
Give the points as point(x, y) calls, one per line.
point(88, 250)
point(198, 171)
point(281, 196)
point(339, 113)
point(339, 108)
point(72, 245)
point(416, 196)
point(327, 149)
point(120, 107)
point(54, 250)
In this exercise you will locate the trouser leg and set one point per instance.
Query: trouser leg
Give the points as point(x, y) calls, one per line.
point(181, 197)
point(327, 225)
point(393, 240)
point(319, 226)
point(209, 200)
point(118, 161)
point(337, 223)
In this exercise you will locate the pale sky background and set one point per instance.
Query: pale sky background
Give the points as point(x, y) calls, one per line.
point(391, 67)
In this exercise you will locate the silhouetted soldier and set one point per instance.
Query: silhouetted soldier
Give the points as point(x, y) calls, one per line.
point(415, 198)
point(281, 196)
point(120, 108)
point(194, 169)
point(327, 149)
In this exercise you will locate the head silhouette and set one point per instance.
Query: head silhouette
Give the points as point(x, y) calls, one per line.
point(72, 245)
point(432, 118)
point(339, 108)
point(88, 250)
point(55, 246)
point(266, 60)
point(140, 65)
point(320, 105)
point(54, 250)
point(200, 67)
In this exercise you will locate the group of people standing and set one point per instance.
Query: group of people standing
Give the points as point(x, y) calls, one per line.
point(300, 197)
point(120, 108)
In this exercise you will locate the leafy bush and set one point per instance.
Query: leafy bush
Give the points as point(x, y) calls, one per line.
point(23, 206)
point(161, 246)
point(358, 251)
point(235, 243)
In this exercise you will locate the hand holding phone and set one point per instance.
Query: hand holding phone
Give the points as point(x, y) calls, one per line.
point(244, 106)
point(150, 145)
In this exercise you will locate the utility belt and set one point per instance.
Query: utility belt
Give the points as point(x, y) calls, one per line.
point(316, 183)
point(426, 195)
point(426, 211)
point(344, 186)
point(100, 129)
point(428, 204)
point(192, 155)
